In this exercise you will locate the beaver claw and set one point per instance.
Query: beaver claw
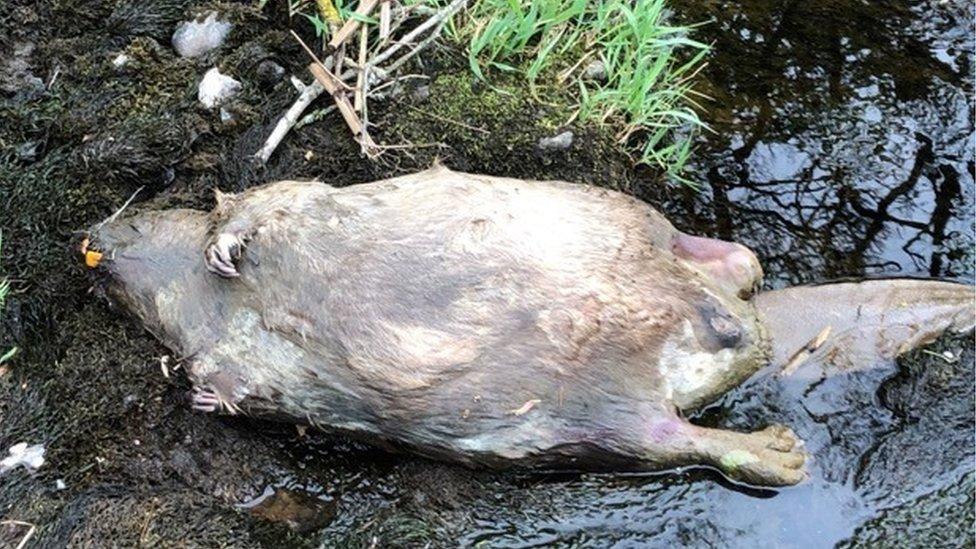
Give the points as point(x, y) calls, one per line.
point(205, 401)
point(209, 400)
point(223, 254)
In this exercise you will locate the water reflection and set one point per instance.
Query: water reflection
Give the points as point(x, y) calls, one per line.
point(840, 151)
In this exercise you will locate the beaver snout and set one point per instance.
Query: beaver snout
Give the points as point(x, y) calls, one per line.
point(107, 242)
point(91, 257)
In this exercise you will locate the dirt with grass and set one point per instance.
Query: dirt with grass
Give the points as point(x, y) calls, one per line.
point(127, 461)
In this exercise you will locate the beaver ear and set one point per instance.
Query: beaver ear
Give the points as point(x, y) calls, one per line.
point(224, 200)
point(438, 166)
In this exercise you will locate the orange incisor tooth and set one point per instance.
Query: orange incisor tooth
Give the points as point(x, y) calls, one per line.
point(92, 258)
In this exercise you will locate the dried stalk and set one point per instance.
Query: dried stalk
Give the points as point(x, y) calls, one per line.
point(360, 80)
point(434, 21)
point(349, 27)
point(365, 138)
point(409, 55)
point(386, 16)
point(31, 528)
point(332, 85)
point(337, 89)
point(315, 89)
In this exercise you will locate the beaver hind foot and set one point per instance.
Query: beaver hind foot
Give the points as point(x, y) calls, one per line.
point(773, 456)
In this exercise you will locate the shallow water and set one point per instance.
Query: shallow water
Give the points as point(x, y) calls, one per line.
point(844, 137)
point(842, 146)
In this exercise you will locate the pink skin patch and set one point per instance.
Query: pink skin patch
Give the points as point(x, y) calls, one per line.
point(724, 261)
point(665, 430)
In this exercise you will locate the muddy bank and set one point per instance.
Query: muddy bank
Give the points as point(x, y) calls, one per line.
point(843, 147)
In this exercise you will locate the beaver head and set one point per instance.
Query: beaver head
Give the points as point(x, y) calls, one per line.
point(151, 265)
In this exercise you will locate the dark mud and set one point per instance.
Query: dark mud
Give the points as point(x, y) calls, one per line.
point(843, 146)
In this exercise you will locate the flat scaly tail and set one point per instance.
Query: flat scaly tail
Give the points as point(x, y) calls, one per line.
point(857, 325)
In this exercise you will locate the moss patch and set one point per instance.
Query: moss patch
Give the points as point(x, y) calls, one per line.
point(495, 130)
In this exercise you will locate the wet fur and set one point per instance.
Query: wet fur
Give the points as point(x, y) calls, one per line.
point(430, 309)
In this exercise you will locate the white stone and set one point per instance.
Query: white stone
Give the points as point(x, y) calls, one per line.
point(215, 88)
point(195, 38)
point(31, 457)
point(596, 70)
point(120, 61)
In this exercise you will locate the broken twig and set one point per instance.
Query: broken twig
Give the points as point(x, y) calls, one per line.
point(386, 16)
point(349, 27)
point(332, 85)
point(372, 69)
point(449, 121)
point(31, 528)
point(361, 79)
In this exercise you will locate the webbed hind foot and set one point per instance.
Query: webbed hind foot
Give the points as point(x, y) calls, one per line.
point(771, 457)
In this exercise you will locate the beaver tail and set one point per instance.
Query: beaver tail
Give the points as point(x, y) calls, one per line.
point(856, 325)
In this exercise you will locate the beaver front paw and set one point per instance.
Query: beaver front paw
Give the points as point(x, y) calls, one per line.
point(223, 254)
point(204, 400)
point(207, 399)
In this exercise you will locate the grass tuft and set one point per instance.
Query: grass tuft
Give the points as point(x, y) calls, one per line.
point(648, 65)
point(4, 290)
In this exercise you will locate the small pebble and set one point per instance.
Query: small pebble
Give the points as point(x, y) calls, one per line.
point(559, 142)
point(215, 88)
point(269, 73)
point(120, 61)
point(421, 93)
point(16, 77)
point(27, 151)
point(596, 70)
point(31, 457)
